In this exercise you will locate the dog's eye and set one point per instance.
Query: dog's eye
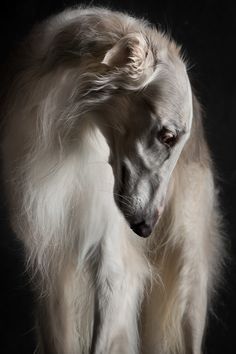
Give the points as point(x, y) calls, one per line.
point(167, 137)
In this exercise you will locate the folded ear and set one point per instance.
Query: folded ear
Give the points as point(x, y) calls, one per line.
point(133, 54)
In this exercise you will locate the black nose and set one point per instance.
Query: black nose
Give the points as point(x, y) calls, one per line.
point(142, 229)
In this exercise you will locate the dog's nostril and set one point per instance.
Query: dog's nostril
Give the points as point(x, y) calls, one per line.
point(142, 229)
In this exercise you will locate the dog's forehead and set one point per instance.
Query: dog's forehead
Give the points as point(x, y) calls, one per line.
point(171, 96)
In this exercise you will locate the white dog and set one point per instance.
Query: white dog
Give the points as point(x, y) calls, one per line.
point(104, 142)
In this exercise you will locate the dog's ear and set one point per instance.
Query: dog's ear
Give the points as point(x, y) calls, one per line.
point(133, 54)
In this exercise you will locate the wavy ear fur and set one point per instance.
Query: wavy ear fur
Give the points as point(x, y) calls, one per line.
point(133, 54)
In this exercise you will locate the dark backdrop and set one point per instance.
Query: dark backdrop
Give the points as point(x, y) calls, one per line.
point(207, 31)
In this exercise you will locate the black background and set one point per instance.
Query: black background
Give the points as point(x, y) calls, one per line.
point(207, 30)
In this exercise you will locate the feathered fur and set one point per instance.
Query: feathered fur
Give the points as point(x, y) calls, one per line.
point(73, 115)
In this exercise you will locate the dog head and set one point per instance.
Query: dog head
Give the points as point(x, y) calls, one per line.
point(146, 122)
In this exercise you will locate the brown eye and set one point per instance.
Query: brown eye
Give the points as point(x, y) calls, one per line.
point(167, 137)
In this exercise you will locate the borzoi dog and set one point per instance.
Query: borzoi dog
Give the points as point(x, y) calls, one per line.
point(103, 143)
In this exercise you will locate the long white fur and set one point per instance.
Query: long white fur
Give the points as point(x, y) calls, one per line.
point(100, 288)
